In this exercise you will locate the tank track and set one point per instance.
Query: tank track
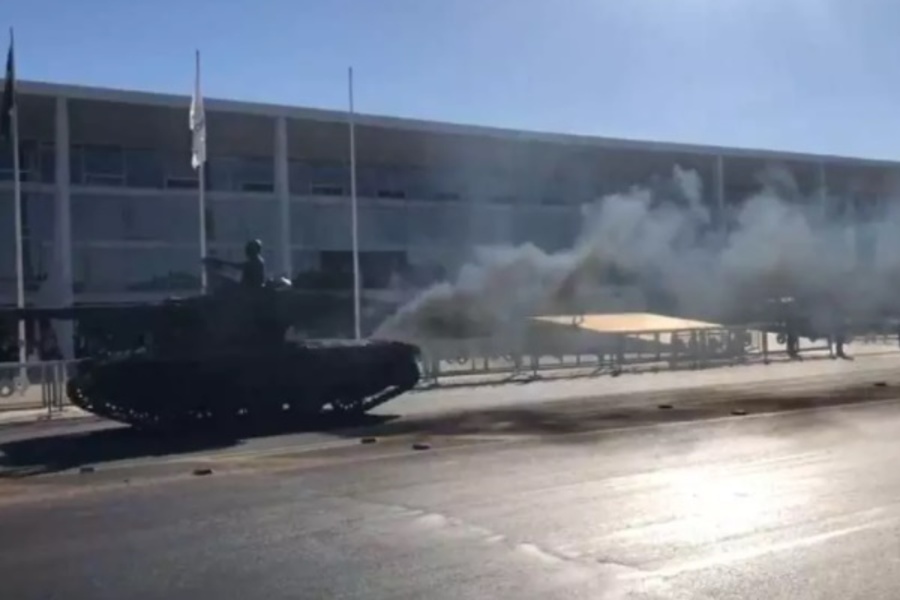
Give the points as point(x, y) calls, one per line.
point(284, 388)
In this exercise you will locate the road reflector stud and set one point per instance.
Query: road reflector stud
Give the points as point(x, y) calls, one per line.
point(739, 412)
point(421, 446)
point(202, 472)
point(664, 406)
point(881, 384)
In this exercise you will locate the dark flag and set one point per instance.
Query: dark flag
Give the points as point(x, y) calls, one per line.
point(9, 94)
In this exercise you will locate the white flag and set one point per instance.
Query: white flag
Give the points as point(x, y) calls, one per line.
point(198, 123)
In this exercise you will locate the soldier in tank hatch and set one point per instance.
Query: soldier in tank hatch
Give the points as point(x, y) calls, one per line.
point(253, 268)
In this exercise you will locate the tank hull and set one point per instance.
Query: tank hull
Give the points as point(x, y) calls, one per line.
point(293, 381)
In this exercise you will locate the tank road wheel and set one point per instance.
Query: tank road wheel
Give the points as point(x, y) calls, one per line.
point(347, 406)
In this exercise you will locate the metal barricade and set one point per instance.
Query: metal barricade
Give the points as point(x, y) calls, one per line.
point(607, 352)
point(34, 385)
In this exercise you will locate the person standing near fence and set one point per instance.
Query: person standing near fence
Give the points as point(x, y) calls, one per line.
point(837, 327)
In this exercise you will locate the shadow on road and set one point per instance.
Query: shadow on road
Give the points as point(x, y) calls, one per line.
point(556, 421)
point(43, 453)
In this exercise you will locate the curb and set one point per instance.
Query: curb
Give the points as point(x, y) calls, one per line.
point(41, 419)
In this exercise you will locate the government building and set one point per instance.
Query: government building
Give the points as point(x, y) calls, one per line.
point(111, 200)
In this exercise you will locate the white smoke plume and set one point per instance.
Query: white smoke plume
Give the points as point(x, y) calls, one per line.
point(664, 239)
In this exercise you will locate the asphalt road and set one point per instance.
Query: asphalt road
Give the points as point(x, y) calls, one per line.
point(521, 407)
point(573, 501)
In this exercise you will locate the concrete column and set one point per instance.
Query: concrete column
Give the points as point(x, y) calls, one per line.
point(283, 193)
point(62, 246)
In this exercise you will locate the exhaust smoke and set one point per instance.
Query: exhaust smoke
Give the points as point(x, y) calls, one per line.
point(665, 240)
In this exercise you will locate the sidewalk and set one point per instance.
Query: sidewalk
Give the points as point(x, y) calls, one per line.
point(37, 415)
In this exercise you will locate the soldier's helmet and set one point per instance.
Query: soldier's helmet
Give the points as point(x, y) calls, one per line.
point(253, 248)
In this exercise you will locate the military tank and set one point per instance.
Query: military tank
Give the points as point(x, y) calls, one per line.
point(229, 358)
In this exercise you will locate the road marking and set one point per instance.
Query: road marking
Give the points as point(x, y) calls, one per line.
point(725, 559)
point(298, 447)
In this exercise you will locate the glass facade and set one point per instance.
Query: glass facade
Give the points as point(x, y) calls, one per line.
point(147, 168)
point(551, 229)
point(321, 226)
point(492, 224)
point(37, 238)
point(149, 231)
point(109, 217)
point(37, 162)
point(135, 221)
point(236, 220)
point(327, 225)
point(438, 224)
point(116, 268)
point(241, 174)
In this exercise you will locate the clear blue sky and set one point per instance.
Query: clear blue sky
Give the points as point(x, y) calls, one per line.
point(806, 75)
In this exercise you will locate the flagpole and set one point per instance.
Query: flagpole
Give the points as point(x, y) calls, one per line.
point(202, 209)
point(198, 121)
point(17, 198)
point(353, 209)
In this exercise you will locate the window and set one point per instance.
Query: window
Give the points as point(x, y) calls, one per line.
point(379, 269)
point(442, 184)
point(382, 226)
point(305, 261)
point(134, 218)
point(736, 194)
point(38, 216)
point(553, 200)
point(249, 174)
point(496, 185)
point(48, 163)
point(321, 226)
point(326, 190)
point(239, 220)
point(29, 161)
point(328, 175)
point(182, 183)
point(177, 165)
point(264, 188)
point(37, 247)
point(413, 182)
point(129, 269)
point(299, 177)
point(385, 181)
point(491, 224)
point(103, 165)
point(7, 245)
point(328, 226)
point(437, 224)
point(144, 169)
point(76, 164)
point(551, 229)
